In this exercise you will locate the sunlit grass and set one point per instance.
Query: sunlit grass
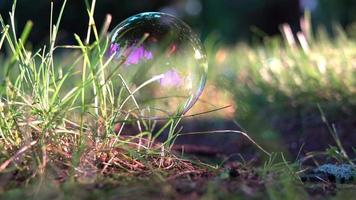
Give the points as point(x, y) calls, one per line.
point(302, 69)
point(62, 114)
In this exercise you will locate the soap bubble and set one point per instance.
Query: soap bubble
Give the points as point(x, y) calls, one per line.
point(162, 63)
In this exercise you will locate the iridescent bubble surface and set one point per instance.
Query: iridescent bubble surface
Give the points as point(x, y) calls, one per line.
point(162, 62)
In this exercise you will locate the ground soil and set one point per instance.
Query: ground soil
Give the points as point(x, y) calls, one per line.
point(237, 156)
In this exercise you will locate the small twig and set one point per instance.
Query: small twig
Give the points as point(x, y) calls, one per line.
point(105, 28)
point(196, 149)
point(184, 173)
point(228, 131)
point(107, 164)
point(18, 153)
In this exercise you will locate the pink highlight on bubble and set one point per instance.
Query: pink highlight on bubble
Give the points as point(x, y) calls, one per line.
point(113, 49)
point(172, 50)
point(171, 79)
point(135, 54)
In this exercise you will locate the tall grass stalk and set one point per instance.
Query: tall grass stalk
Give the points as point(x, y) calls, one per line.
point(65, 112)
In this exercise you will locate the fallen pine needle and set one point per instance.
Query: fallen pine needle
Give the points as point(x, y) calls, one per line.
point(184, 173)
point(18, 153)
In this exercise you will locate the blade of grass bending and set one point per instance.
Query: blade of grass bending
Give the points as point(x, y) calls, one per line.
point(183, 117)
point(58, 89)
point(91, 19)
point(98, 86)
point(26, 32)
point(8, 38)
point(3, 36)
point(56, 27)
point(130, 93)
point(105, 27)
point(160, 131)
point(173, 117)
point(84, 69)
point(172, 134)
point(16, 52)
point(334, 134)
point(12, 20)
point(51, 22)
point(133, 98)
point(227, 131)
point(153, 79)
point(122, 61)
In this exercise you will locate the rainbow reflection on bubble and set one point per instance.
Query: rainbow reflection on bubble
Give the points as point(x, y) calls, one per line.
point(163, 51)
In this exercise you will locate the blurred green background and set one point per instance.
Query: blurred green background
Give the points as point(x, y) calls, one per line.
point(229, 20)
